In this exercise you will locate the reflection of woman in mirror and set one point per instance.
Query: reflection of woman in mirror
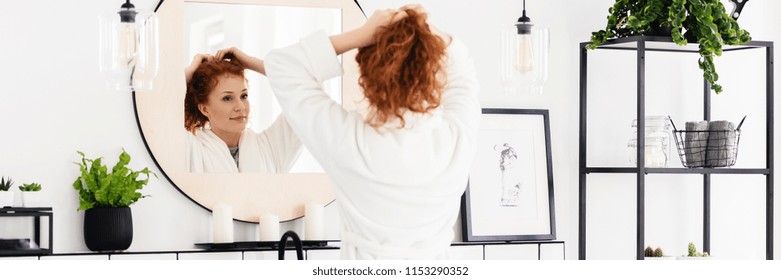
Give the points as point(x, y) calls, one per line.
point(215, 113)
point(399, 173)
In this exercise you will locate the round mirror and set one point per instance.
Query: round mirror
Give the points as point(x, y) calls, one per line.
point(256, 27)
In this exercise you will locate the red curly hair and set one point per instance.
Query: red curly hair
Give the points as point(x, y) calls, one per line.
point(401, 72)
point(204, 80)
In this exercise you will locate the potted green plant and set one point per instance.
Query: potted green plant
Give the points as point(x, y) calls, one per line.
point(705, 22)
point(6, 193)
point(31, 195)
point(106, 197)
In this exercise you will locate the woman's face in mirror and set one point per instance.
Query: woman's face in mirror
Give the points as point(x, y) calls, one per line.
point(227, 106)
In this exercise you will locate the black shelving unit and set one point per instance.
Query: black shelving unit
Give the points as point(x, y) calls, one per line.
point(258, 246)
point(641, 45)
point(36, 214)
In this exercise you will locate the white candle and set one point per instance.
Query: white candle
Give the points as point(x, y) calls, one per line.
point(314, 222)
point(222, 223)
point(269, 227)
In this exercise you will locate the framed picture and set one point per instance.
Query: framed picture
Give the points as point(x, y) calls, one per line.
point(509, 196)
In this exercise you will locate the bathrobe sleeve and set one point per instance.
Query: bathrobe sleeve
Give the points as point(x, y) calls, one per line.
point(296, 74)
point(460, 102)
point(189, 165)
point(285, 146)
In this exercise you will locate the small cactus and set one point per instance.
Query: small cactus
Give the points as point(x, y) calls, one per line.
point(658, 252)
point(649, 252)
point(6, 184)
point(694, 253)
point(693, 250)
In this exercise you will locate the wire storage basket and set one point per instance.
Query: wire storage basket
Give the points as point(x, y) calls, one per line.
point(708, 148)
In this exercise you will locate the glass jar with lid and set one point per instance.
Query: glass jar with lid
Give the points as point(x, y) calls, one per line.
point(657, 142)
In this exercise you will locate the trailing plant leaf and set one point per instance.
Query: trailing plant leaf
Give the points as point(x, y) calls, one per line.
point(98, 188)
point(675, 17)
point(705, 21)
point(615, 24)
point(648, 16)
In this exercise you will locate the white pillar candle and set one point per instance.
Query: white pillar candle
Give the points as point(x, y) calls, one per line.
point(269, 227)
point(314, 221)
point(222, 223)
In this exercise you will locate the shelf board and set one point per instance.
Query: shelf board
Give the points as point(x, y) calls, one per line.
point(24, 209)
point(470, 243)
point(666, 44)
point(25, 252)
point(273, 245)
point(629, 170)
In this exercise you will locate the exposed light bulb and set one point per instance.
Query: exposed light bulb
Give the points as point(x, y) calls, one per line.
point(127, 45)
point(524, 58)
point(128, 40)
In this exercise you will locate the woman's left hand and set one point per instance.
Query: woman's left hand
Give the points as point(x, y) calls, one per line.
point(197, 60)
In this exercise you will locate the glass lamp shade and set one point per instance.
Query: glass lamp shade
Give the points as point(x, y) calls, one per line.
point(129, 50)
point(524, 60)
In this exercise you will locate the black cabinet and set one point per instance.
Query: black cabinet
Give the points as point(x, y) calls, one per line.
point(641, 45)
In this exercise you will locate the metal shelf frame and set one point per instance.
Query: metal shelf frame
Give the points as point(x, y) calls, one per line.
point(36, 213)
point(641, 45)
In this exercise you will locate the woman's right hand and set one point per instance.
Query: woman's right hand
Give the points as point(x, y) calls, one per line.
point(378, 20)
point(247, 61)
point(197, 60)
point(364, 36)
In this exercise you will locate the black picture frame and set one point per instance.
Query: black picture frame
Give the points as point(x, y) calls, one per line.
point(512, 126)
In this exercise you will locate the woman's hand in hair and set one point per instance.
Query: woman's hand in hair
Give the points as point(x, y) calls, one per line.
point(364, 36)
point(415, 7)
point(197, 60)
point(379, 20)
point(420, 10)
point(247, 61)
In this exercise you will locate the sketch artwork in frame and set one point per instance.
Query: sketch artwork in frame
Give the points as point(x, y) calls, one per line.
point(510, 192)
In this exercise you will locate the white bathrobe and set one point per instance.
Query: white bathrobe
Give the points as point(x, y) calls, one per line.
point(398, 190)
point(272, 151)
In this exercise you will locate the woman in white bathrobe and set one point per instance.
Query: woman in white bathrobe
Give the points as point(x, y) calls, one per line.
point(399, 174)
point(216, 111)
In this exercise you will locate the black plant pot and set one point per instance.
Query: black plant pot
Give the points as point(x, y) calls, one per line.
point(665, 31)
point(108, 229)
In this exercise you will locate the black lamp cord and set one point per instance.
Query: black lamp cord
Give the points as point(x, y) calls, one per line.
point(524, 18)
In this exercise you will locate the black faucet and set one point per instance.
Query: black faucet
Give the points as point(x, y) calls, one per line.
point(296, 242)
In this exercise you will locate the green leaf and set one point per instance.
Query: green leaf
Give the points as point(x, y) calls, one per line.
point(31, 187)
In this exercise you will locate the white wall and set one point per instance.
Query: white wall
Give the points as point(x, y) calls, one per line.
point(52, 103)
